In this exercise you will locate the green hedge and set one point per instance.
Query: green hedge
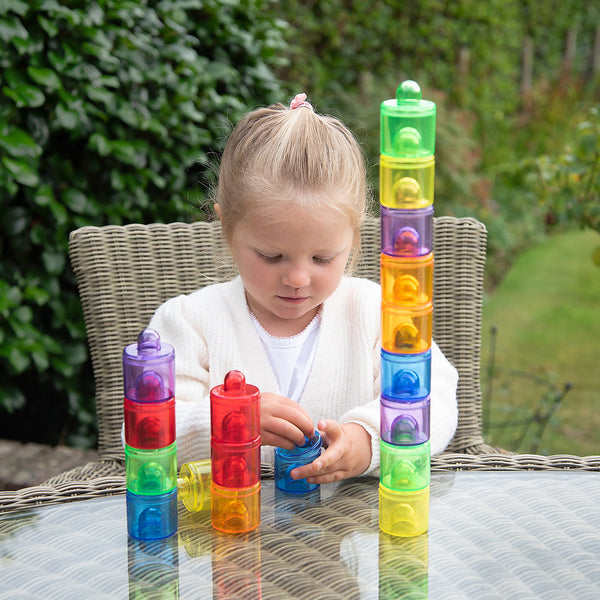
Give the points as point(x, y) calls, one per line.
point(108, 109)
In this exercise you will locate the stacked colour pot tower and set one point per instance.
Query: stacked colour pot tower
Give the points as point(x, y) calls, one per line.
point(150, 448)
point(235, 454)
point(406, 193)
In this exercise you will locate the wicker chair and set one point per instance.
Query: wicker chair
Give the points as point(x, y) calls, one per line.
point(125, 272)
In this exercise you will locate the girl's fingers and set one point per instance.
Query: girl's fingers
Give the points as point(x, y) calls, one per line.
point(285, 417)
point(322, 469)
point(282, 433)
point(330, 431)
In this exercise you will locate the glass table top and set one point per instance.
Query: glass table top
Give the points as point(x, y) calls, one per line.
point(492, 535)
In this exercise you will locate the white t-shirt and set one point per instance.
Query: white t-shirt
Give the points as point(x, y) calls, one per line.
point(291, 357)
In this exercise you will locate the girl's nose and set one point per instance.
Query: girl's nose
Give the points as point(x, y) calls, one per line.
point(296, 276)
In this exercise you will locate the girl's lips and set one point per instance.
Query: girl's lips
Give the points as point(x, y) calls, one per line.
point(292, 300)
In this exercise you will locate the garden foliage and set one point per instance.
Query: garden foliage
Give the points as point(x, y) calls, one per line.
point(467, 56)
point(567, 181)
point(334, 43)
point(108, 109)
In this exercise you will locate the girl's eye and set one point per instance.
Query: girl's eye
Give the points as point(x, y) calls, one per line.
point(321, 261)
point(269, 259)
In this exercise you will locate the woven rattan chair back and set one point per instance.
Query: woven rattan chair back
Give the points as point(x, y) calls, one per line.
point(125, 272)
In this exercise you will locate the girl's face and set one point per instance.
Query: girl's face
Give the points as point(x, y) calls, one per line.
point(290, 265)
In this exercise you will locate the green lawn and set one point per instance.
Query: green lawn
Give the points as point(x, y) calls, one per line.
point(547, 315)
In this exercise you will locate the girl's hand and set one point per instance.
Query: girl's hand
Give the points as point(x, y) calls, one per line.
point(283, 422)
point(348, 453)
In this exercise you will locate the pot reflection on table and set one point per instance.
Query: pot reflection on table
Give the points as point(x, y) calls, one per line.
point(235, 567)
point(153, 569)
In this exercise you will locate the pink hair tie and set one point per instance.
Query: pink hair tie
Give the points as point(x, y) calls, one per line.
point(298, 101)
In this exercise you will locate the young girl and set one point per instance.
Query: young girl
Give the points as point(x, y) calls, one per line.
point(291, 199)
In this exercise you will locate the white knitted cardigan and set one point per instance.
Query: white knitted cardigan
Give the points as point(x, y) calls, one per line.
point(212, 333)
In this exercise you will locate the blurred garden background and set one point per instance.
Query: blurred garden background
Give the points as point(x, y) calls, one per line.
point(115, 111)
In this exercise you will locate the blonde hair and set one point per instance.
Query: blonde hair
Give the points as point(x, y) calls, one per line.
point(295, 158)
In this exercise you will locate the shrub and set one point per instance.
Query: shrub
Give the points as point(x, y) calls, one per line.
point(108, 109)
point(335, 42)
point(349, 55)
point(569, 182)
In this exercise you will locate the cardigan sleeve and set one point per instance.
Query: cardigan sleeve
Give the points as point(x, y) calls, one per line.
point(175, 322)
point(353, 321)
point(368, 415)
point(444, 405)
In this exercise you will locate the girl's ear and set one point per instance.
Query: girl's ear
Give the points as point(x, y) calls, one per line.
point(217, 209)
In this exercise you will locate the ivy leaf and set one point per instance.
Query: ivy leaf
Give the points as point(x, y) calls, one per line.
point(59, 212)
point(14, 220)
point(37, 295)
point(15, 6)
point(127, 113)
point(100, 94)
point(21, 171)
point(76, 353)
point(18, 359)
point(23, 314)
point(129, 153)
point(19, 143)
point(10, 295)
point(12, 28)
point(48, 26)
point(46, 77)
point(190, 111)
point(25, 95)
point(66, 117)
point(100, 144)
point(11, 398)
point(54, 262)
point(75, 200)
point(29, 46)
point(43, 195)
point(40, 359)
point(58, 60)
